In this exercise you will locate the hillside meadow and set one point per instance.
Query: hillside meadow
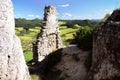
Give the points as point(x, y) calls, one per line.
point(27, 37)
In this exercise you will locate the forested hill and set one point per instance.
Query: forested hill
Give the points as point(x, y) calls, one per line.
point(26, 24)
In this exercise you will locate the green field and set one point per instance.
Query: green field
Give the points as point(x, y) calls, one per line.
point(26, 40)
point(27, 37)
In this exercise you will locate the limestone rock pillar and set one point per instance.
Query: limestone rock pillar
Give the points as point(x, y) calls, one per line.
point(12, 63)
point(106, 50)
point(48, 39)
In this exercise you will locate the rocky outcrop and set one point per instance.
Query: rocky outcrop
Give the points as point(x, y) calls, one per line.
point(72, 64)
point(12, 63)
point(48, 39)
point(67, 63)
point(106, 50)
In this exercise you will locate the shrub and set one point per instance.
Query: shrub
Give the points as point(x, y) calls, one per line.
point(104, 19)
point(83, 38)
point(22, 33)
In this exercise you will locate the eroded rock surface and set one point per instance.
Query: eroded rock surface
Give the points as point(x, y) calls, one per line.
point(48, 39)
point(12, 63)
point(65, 64)
point(72, 63)
point(106, 50)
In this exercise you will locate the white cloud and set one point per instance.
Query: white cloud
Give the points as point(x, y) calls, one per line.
point(68, 14)
point(30, 15)
point(99, 14)
point(64, 5)
point(108, 11)
point(37, 16)
point(76, 17)
point(17, 15)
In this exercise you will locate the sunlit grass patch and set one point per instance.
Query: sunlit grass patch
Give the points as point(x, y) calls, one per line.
point(27, 37)
point(35, 77)
point(28, 56)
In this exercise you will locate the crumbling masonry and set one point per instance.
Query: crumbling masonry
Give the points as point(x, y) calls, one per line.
point(48, 39)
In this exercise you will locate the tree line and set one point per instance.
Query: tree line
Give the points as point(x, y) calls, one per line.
point(27, 24)
point(86, 22)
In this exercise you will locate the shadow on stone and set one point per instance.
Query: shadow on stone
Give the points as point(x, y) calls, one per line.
point(45, 68)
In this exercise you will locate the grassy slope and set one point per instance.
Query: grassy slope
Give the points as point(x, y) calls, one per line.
point(28, 37)
point(67, 34)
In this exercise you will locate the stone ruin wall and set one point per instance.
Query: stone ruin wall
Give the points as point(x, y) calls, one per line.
point(48, 39)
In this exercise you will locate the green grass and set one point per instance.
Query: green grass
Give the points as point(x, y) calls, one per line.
point(61, 22)
point(67, 34)
point(28, 56)
point(27, 37)
point(35, 77)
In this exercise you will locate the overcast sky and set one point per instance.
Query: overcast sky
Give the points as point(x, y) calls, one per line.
point(67, 9)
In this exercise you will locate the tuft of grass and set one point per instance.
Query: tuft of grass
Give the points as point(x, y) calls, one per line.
point(35, 77)
point(28, 56)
